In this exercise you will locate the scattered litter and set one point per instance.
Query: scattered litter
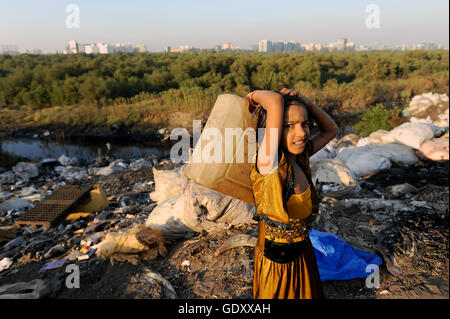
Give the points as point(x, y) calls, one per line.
point(7, 235)
point(34, 289)
point(76, 216)
point(5, 263)
point(236, 241)
point(53, 264)
point(185, 265)
point(148, 242)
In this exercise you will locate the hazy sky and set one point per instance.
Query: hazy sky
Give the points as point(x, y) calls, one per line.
point(41, 24)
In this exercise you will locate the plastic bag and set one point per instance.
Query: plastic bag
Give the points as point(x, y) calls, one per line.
point(337, 260)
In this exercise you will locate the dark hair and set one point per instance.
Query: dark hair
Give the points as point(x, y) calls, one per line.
point(261, 114)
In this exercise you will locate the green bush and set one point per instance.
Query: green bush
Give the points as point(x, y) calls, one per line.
point(376, 118)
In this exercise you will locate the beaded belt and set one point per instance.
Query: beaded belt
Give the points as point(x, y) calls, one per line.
point(296, 230)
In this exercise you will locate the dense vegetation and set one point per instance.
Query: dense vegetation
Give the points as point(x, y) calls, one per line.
point(376, 118)
point(139, 87)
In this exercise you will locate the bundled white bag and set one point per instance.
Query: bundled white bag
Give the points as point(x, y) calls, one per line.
point(168, 183)
point(193, 208)
point(207, 209)
point(332, 171)
point(377, 137)
point(363, 161)
point(396, 153)
point(436, 149)
point(168, 217)
point(414, 134)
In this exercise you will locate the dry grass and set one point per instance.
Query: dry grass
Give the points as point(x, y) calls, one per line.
point(179, 107)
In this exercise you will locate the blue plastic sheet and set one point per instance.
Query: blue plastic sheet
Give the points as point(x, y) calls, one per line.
point(337, 260)
point(53, 264)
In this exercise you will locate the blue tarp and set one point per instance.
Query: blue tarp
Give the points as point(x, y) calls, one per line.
point(337, 260)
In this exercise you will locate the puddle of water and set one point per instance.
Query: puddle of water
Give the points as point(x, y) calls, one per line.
point(37, 149)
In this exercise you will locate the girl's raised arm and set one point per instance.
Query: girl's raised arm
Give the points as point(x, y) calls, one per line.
point(272, 102)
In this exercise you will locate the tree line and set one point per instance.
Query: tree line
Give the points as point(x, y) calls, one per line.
point(60, 80)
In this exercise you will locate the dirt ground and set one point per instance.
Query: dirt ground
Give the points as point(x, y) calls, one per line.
point(196, 273)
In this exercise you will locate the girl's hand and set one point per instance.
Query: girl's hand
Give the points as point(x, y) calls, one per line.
point(303, 98)
point(252, 105)
point(264, 98)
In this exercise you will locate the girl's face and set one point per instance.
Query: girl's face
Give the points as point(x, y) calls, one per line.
point(295, 129)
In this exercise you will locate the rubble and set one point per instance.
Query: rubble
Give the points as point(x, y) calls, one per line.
point(25, 171)
point(67, 161)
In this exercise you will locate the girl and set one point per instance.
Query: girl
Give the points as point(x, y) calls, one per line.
point(285, 198)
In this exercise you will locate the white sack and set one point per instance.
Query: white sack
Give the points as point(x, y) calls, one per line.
point(363, 160)
point(413, 134)
point(331, 171)
point(168, 217)
point(168, 183)
point(207, 209)
point(436, 149)
point(396, 153)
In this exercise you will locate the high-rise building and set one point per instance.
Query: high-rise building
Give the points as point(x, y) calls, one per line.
point(73, 47)
point(350, 46)
point(10, 49)
point(342, 41)
point(278, 46)
point(265, 46)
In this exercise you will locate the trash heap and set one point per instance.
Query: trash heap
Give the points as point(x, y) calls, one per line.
point(92, 226)
point(386, 194)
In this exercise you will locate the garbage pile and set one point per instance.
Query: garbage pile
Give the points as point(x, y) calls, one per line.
point(350, 159)
point(386, 194)
point(89, 230)
point(186, 208)
point(111, 225)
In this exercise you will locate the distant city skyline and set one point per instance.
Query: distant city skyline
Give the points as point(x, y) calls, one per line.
point(29, 25)
point(268, 46)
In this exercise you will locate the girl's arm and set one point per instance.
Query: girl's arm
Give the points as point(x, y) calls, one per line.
point(272, 102)
point(328, 128)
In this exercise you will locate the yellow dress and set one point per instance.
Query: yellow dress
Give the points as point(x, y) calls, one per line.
point(297, 279)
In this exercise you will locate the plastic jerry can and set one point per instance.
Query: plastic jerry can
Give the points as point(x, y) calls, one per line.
point(222, 156)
